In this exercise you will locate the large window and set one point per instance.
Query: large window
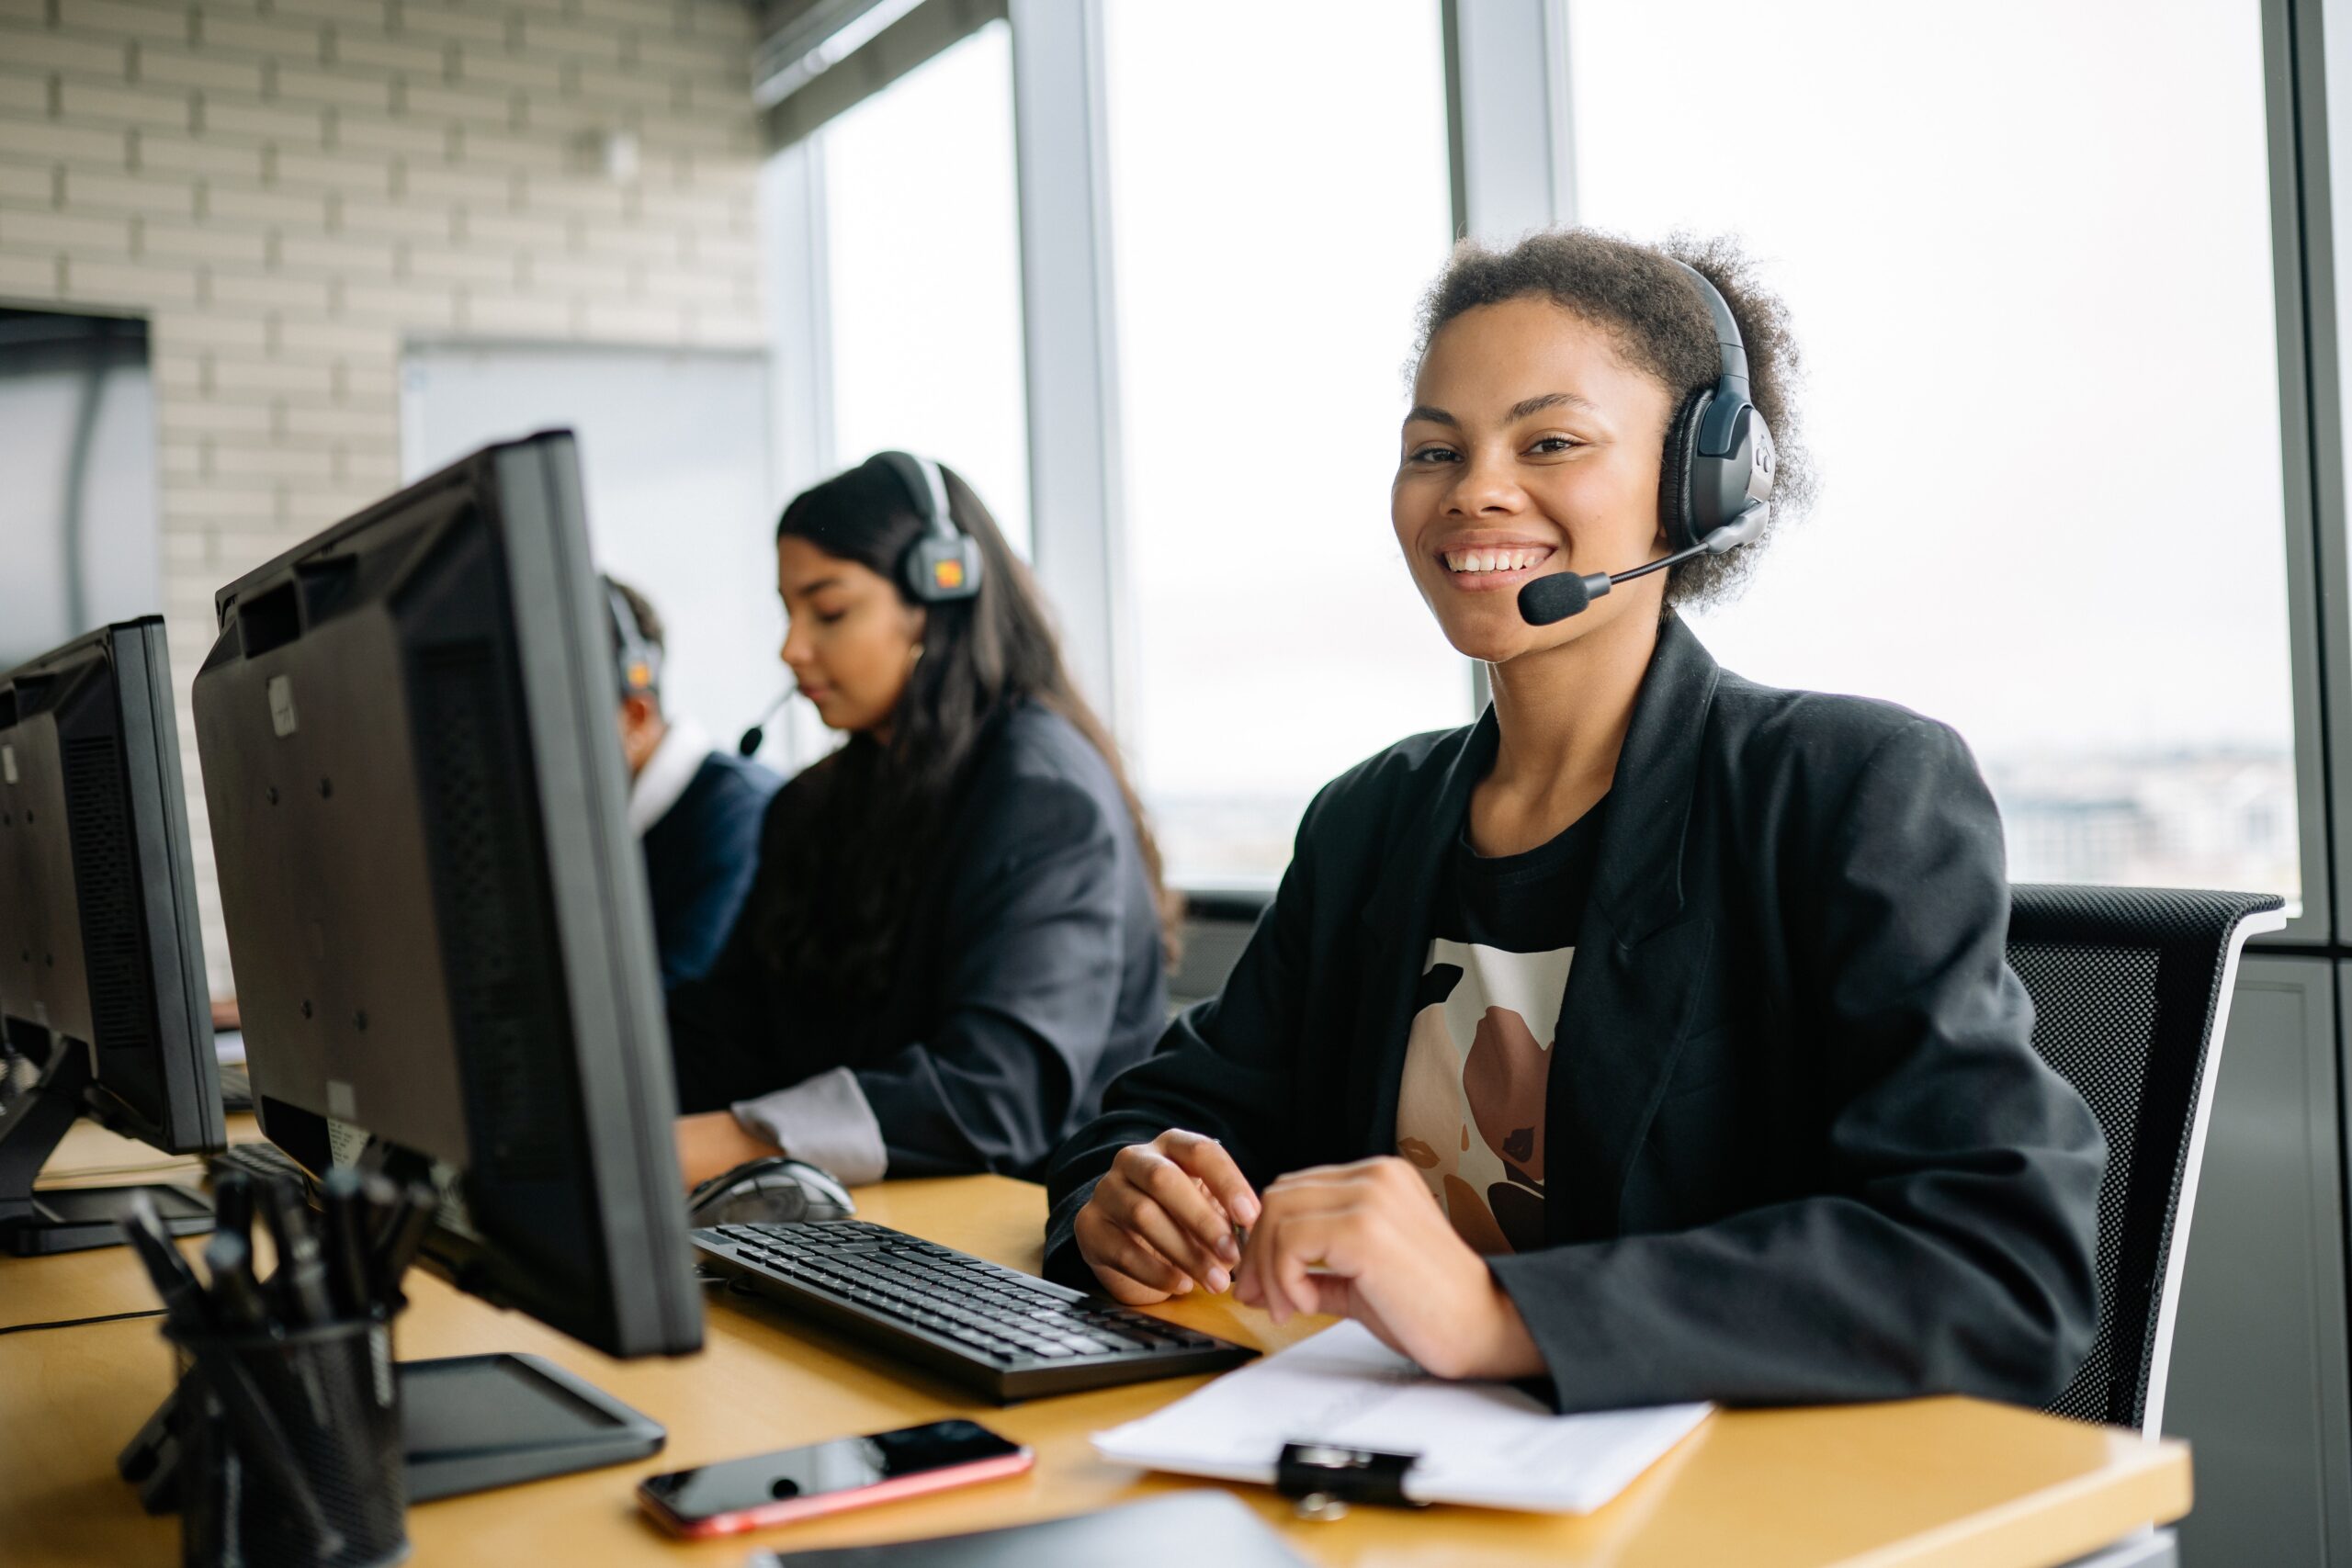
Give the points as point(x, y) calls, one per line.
point(2027, 255)
point(924, 273)
point(1278, 198)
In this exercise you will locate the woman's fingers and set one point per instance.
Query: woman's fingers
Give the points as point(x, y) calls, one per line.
point(1165, 1215)
point(1328, 1220)
point(1110, 1248)
point(1171, 1241)
point(1283, 1246)
point(1304, 1243)
point(1127, 1292)
point(1206, 1159)
point(1206, 1226)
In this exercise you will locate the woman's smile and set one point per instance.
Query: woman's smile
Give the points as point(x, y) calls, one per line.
point(1473, 565)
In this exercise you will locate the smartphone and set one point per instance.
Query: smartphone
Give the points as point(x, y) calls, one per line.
point(828, 1478)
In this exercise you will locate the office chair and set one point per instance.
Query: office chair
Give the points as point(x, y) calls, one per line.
point(2130, 989)
point(1217, 926)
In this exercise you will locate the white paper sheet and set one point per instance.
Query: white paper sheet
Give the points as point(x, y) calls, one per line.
point(1477, 1442)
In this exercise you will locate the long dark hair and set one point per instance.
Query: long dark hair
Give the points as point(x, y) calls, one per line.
point(847, 861)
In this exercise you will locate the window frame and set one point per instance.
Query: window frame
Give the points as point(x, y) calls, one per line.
point(2312, 455)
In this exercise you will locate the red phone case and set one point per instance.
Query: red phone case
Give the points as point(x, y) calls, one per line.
point(793, 1510)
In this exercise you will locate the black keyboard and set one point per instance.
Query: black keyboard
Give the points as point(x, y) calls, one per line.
point(262, 1162)
point(236, 1087)
point(1005, 1334)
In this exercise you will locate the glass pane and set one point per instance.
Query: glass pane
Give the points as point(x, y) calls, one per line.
point(924, 255)
point(1279, 198)
point(2030, 277)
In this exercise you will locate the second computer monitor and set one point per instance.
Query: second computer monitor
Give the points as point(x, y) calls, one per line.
point(102, 980)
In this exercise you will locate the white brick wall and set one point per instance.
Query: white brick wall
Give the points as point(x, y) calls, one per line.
point(288, 189)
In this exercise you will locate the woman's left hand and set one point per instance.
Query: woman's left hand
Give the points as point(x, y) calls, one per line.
point(1367, 1241)
point(714, 1143)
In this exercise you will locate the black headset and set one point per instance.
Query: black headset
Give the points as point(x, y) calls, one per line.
point(637, 662)
point(1717, 489)
point(944, 563)
point(1717, 492)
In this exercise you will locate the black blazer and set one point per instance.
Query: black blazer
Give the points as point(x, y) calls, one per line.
point(1800, 1146)
point(699, 858)
point(1031, 972)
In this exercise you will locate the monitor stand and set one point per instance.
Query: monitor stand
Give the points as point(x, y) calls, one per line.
point(467, 1424)
point(74, 1219)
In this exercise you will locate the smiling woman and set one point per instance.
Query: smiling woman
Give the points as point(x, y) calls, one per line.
point(1654, 1033)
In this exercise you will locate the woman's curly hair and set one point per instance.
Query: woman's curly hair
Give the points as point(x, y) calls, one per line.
point(1662, 327)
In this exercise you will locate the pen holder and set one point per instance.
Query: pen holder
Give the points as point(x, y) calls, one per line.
point(290, 1450)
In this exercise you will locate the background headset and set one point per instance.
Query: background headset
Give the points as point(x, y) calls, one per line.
point(1715, 493)
point(944, 563)
point(637, 661)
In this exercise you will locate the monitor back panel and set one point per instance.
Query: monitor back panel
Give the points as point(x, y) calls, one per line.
point(306, 722)
point(99, 945)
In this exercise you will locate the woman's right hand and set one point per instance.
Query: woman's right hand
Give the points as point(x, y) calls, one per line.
point(1164, 1216)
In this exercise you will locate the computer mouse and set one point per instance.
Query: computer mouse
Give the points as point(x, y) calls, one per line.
point(774, 1191)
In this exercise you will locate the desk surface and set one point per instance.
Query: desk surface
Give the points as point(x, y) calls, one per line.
point(1926, 1483)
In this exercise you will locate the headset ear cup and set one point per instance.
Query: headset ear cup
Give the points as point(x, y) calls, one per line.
point(1674, 498)
point(940, 571)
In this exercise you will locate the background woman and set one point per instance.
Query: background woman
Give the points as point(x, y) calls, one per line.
point(955, 938)
point(1654, 1033)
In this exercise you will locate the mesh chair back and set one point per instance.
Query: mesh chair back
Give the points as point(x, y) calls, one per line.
point(2130, 989)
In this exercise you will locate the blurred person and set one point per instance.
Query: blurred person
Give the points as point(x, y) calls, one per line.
point(695, 810)
point(958, 931)
point(1652, 1035)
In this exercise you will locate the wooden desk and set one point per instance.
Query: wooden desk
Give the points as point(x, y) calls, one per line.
point(1930, 1483)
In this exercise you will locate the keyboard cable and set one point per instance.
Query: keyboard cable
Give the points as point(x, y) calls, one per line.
point(79, 1322)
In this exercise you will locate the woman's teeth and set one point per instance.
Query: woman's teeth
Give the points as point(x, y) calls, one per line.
point(1492, 561)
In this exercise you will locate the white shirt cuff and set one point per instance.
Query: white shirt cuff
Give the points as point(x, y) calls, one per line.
point(825, 1120)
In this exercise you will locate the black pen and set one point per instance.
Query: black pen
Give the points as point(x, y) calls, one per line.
point(342, 1196)
point(175, 1280)
point(404, 1237)
point(382, 1196)
point(233, 1205)
point(298, 1284)
point(234, 1294)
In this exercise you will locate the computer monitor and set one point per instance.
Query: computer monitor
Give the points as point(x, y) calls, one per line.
point(102, 986)
point(434, 909)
